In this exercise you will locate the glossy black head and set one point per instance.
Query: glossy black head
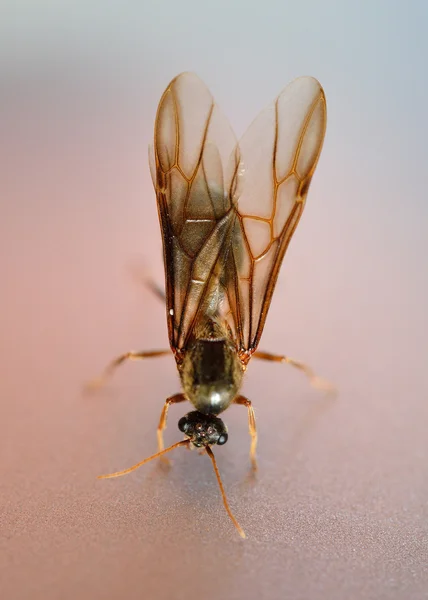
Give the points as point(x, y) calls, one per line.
point(203, 430)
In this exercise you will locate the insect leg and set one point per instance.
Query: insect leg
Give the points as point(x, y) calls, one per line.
point(111, 367)
point(251, 426)
point(150, 283)
point(164, 414)
point(316, 382)
point(155, 289)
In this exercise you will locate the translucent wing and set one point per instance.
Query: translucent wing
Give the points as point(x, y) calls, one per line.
point(192, 142)
point(279, 153)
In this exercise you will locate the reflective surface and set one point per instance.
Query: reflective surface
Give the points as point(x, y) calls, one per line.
point(339, 508)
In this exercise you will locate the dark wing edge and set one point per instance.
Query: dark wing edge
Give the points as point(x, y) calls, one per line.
point(279, 153)
point(192, 143)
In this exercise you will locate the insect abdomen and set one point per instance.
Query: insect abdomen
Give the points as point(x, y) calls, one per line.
point(211, 374)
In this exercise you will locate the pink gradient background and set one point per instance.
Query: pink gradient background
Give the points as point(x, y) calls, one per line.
point(340, 506)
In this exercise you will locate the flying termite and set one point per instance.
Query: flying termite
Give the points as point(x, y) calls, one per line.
point(227, 213)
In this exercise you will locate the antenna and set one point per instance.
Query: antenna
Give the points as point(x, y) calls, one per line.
point(223, 493)
point(143, 462)
point(177, 445)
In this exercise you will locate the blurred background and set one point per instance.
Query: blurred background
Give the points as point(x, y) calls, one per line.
point(340, 505)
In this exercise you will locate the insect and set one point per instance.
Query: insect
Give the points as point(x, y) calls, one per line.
point(227, 213)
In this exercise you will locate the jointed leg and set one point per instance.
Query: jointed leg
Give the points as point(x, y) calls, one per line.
point(251, 426)
point(140, 275)
point(96, 383)
point(155, 289)
point(164, 414)
point(316, 381)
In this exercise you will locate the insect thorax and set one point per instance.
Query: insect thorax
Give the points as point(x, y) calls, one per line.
point(211, 372)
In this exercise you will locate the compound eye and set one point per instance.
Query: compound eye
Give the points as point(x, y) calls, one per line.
point(222, 439)
point(183, 424)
